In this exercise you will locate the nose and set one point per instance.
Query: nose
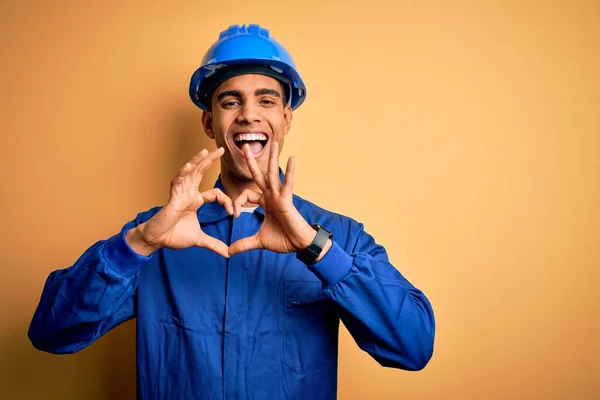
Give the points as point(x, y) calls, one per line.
point(249, 113)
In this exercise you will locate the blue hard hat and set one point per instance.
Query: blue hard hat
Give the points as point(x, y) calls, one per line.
point(245, 49)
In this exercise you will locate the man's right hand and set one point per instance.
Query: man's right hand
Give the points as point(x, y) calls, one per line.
point(176, 225)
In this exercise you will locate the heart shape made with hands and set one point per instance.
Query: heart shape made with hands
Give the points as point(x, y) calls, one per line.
point(283, 229)
point(176, 225)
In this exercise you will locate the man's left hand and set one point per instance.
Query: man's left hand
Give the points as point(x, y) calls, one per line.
point(283, 230)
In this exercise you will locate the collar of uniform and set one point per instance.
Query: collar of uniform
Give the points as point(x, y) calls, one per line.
point(213, 212)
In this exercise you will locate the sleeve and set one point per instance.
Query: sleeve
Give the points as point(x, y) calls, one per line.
point(386, 315)
point(81, 303)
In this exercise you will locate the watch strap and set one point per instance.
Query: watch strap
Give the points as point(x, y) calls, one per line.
point(313, 251)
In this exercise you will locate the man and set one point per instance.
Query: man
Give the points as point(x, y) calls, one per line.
point(238, 291)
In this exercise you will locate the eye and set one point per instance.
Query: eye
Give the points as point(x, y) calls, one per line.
point(267, 102)
point(230, 103)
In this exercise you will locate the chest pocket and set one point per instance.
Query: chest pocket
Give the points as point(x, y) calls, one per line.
point(310, 327)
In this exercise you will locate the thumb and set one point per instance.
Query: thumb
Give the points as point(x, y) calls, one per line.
point(248, 243)
point(209, 242)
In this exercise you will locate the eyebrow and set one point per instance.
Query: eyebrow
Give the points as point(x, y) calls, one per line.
point(262, 92)
point(259, 92)
point(227, 93)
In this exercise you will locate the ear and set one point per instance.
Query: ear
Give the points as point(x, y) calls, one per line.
point(287, 118)
point(207, 123)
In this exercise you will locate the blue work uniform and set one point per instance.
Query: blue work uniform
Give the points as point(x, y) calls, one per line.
point(259, 325)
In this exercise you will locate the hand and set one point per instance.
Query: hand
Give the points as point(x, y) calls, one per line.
point(176, 225)
point(283, 230)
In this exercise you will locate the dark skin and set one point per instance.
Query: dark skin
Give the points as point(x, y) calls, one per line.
point(246, 104)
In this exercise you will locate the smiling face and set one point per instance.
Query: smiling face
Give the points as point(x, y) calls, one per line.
point(249, 109)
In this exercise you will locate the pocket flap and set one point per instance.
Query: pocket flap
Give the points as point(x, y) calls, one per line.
point(303, 292)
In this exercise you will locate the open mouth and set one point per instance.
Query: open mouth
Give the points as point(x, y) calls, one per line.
point(256, 141)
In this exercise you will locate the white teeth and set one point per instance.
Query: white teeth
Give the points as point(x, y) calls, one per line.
point(249, 136)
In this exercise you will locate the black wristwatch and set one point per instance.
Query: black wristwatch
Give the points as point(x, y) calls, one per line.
point(312, 252)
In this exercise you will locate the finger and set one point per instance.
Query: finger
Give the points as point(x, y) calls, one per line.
point(199, 156)
point(247, 195)
point(188, 168)
point(217, 195)
point(288, 183)
point(182, 173)
point(206, 163)
point(273, 174)
point(209, 242)
point(245, 244)
point(257, 174)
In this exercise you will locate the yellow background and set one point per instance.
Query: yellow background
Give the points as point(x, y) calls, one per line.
point(464, 134)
